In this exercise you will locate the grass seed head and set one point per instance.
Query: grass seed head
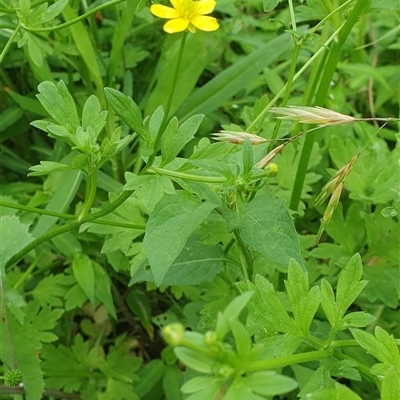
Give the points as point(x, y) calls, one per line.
point(237, 137)
point(262, 163)
point(312, 115)
point(333, 203)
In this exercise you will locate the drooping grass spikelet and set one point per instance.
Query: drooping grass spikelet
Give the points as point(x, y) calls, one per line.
point(334, 188)
point(336, 180)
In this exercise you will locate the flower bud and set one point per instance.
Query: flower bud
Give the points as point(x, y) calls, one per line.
point(173, 334)
point(223, 371)
point(13, 377)
point(271, 170)
point(210, 338)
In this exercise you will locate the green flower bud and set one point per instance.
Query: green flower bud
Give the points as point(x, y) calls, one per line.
point(13, 377)
point(210, 338)
point(271, 170)
point(223, 371)
point(173, 334)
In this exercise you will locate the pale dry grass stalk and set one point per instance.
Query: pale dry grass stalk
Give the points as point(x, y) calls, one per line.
point(238, 137)
point(319, 115)
point(334, 189)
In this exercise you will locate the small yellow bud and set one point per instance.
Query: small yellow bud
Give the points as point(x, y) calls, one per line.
point(271, 170)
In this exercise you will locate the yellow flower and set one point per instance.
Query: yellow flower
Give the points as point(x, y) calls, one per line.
point(187, 14)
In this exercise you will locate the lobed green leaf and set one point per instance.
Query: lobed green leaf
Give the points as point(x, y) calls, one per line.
point(127, 109)
point(58, 102)
point(267, 226)
point(174, 218)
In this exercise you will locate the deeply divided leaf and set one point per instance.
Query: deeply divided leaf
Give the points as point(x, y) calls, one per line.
point(59, 103)
point(304, 302)
point(266, 308)
point(349, 285)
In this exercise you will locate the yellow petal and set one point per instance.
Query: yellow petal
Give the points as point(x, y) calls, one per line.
point(207, 24)
point(163, 12)
point(206, 6)
point(176, 25)
point(175, 3)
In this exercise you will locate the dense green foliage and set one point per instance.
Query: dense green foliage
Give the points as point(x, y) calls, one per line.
point(142, 259)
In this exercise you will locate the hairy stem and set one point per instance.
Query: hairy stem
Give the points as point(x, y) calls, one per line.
point(279, 362)
point(169, 102)
point(10, 41)
point(26, 274)
point(68, 227)
point(197, 178)
point(91, 188)
point(246, 255)
point(40, 211)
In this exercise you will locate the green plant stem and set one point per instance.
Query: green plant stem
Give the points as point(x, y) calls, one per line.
point(169, 102)
point(73, 21)
point(7, 9)
point(330, 8)
point(190, 177)
point(288, 90)
point(9, 42)
point(332, 333)
point(197, 178)
point(323, 48)
point(174, 81)
point(315, 342)
point(26, 274)
point(383, 37)
point(68, 227)
point(323, 21)
point(6, 330)
point(344, 343)
point(119, 37)
point(246, 255)
point(292, 72)
point(279, 362)
point(67, 216)
point(91, 188)
point(292, 16)
point(377, 315)
point(201, 349)
point(330, 67)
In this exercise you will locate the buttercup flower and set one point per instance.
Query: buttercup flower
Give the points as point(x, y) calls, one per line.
point(187, 14)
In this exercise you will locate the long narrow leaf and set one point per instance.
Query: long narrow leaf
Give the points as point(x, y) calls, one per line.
point(225, 85)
